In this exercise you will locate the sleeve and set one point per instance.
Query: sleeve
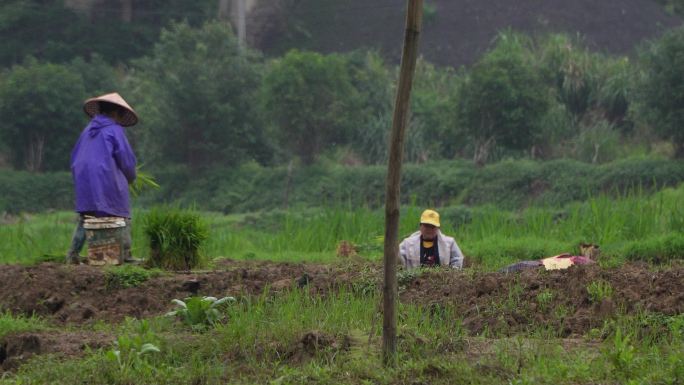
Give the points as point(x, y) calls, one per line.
point(403, 253)
point(123, 155)
point(456, 260)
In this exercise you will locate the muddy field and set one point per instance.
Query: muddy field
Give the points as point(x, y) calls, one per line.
point(491, 303)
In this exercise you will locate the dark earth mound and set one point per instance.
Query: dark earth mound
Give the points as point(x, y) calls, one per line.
point(490, 304)
point(496, 302)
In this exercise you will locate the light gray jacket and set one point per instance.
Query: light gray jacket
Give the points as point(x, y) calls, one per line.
point(449, 252)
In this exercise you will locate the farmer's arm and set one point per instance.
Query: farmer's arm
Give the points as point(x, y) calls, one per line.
point(456, 256)
point(123, 155)
point(403, 253)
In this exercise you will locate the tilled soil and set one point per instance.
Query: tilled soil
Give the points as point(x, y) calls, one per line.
point(496, 302)
point(491, 304)
point(510, 303)
point(15, 349)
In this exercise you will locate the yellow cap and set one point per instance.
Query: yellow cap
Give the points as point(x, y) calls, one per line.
point(430, 217)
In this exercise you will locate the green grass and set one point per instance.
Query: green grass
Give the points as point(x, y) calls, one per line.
point(16, 324)
point(260, 342)
point(634, 226)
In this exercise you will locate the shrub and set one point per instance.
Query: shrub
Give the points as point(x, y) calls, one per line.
point(40, 123)
point(175, 237)
point(663, 84)
point(503, 99)
point(24, 191)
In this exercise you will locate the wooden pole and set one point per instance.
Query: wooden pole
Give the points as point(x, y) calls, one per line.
point(414, 18)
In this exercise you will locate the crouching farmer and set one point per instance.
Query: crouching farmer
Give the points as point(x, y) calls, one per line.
point(102, 166)
point(428, 247)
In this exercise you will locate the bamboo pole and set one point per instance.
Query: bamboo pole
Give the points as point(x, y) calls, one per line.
point(414, 18)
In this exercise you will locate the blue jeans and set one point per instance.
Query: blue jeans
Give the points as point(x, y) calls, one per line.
point(79, 238)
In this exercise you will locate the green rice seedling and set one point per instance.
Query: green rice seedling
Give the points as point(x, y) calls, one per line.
point(142, 183)
point(544, 299)
point(127, 276)
point(200, 312)
point(599, 290)
point(175, 238)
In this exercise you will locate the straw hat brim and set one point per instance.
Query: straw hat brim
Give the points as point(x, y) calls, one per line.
point(92, 108)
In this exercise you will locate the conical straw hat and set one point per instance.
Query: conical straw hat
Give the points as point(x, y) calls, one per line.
point(92, 108)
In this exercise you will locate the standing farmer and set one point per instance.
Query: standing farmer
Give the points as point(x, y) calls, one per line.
point(102, 167)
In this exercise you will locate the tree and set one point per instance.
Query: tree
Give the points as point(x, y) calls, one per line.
point(41, 115)
point(312, 102)
point(663, 87)
point(196, 94)
point(503, 99)
point(53, 31)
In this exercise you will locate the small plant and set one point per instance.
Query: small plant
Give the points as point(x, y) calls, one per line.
point(621, 353)
point(544, 299)
point(599, 290)
point(127, 276)
point(176, 237)
point(200, 312)
point(405, 277)
point(131, 351)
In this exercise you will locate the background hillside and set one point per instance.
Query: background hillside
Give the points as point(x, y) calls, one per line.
point(456, 32)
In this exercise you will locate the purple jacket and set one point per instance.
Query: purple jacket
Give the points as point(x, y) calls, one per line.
point(102, 166)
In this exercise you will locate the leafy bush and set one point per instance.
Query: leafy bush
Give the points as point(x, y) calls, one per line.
point(198, 92)
point(658, 249)
point(503, 99)
point(662, 86)
point(200, 312)
point(40, 115)
point(312, 101)
point(23, 191)
point(175, 237)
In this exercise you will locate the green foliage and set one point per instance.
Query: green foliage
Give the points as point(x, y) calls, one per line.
point(10, 323)
point(599, 290)
point(58, 33)
point(143, 182)
point(197, 91)
point(657, 249)
point(127, 276)
point(131, 352)
point(622, 353)
point(544, 299)
point(597, 143)
point(24, 191)
point(200, 312)
point(98, 76)
point(503, 98)
point(434, 131)
point(663, 86)
point(41, 115)
point(675, 7)
point(312, 101)
point(175, 238)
